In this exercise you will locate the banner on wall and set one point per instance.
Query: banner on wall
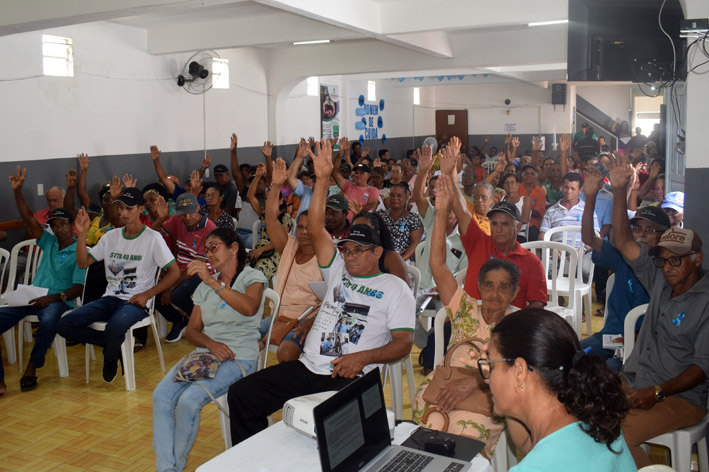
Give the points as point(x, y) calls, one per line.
point(369, 121)
point(329, 111)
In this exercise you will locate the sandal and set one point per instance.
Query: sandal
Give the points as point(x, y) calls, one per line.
point(138, 346)
point(600, 312)
point(28, 383)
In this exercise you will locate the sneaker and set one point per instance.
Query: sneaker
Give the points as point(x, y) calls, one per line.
point(178, 329)
point(110, 370)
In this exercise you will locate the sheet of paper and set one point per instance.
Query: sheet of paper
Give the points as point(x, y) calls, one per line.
point(608, 342)
point(319, 288)
point(23, 294)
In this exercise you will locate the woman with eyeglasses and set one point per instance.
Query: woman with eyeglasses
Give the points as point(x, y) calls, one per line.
point(214, 196)
point(498, 281)
point(228, 307)
point(570, 404)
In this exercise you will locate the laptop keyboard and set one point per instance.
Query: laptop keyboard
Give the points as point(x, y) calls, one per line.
point(453, 467)
point(406, 461)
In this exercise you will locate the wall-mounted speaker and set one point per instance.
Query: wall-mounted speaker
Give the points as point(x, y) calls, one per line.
point(558, 94)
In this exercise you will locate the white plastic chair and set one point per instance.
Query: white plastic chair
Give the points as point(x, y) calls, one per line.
point(273, 297)
point(559, 262)
point(255, 233)
point(609, 288)
point(571, 235)
point(657, 468)
point(127, 354)
point(418, 254)
point(8, 335)
point(679, 442)
point(460, 276)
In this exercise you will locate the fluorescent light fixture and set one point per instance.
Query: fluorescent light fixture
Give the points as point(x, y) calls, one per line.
point(544, 23)
point(317, 41)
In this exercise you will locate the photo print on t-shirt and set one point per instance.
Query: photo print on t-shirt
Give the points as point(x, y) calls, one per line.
point(348, 330)
point(127, 281)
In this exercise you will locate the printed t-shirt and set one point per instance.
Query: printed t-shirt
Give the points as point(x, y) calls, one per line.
point(131, 263)
point(358, 314)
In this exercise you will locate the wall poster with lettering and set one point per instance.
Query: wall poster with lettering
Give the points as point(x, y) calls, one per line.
point(329, 111)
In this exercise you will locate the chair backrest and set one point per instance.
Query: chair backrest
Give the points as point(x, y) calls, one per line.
point(571, 235)
point(490, 165)
point(609, 288)
point(273, 297)
point(255, 233)
point(559, 262)
point(629, 329)
point(34, 257)
point(460, 276)
point(418, 254)
point(5, 262)
point(414, 278)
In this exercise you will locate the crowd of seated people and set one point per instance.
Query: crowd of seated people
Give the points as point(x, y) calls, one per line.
point(352, 222)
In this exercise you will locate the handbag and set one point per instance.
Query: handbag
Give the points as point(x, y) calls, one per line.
point(200, 365)
point(282, 325)
point(480, 401)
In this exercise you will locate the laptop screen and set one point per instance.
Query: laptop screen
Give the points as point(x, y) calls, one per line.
point(351, 426)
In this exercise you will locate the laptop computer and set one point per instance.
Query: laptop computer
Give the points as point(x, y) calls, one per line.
point(353, 433)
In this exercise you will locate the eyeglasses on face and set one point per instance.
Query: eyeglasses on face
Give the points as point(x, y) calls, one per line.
point(647, 230)
point(485, 366)
point(354, 252)
point(212, 247)
point(674, 261)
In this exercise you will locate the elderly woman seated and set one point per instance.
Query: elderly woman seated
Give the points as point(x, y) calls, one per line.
point(498, 281)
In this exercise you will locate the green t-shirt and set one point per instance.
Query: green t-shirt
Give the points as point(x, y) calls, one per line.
point(224, 324)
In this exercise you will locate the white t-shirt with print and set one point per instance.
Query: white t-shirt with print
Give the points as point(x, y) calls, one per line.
point(131, 263)
point(358, 314)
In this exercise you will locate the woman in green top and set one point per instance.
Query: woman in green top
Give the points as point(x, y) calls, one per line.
point(228, 308)
point(570, 404)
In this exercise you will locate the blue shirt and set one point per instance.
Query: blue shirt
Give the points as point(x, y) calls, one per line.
point(305, 194)
point(57, 271)
point(627, 291)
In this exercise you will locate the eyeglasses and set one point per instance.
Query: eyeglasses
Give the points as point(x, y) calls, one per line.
point(674, 261)
point(647, 230)
point(485, 366)
point(483, 198)
point(212, 247)
point(354, 252)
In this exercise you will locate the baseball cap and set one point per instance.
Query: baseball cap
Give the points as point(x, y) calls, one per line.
point(221, 169)
point(364, 235)
point(530, 166)
point(675, 201)
point(61, 214)
point(652, 214)
point(337, 202)
point(584, 125)
point(186, 203)
point(680, 241)
point(363, 168)
point(506, 208)
point(345, 167)
point(131, 197)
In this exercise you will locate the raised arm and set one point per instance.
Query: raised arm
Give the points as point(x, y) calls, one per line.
point(81, 225)
point(592, 185)
point(614, 126)
point(645, 192)
point(267, 151)
point(425, 164)
point(620, 173)
point(322, 242)
point(300, 154)
point(155, 154)
point(448, 159)
point(276, 232)
point(497, 171)
point(235, 171)
point(442, 276)
point(251, 194)
point(565, 145)
point(68, 202)
point(206, 162)
point(33, 226)
point(115, 188)
point(81, 184)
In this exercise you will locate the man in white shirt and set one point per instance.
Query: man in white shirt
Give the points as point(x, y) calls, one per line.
point(366, 320)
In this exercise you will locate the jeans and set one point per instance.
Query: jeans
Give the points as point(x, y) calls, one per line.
point(247, 236)
point(595, 342)
point(48, 318)
point(181, 298)
point(176, 409)
point(120, 316)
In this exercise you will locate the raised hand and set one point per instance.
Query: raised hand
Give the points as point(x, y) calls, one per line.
point(444, 194)
point(280, 173)
point(486, 140)
point(322, 161)
point(302, 149)
point(620, 170)
point(536, 143)
point(195, 182)
point(426, 158)
point(199, 268)
point(206, 162)
point(267, 149)
point(593, 181)
point(83, 162)
point(155, 153)
point(377, 162)
point(455, 144)
point(82, 221)
point(365, 152)
point(129, 181)
point(501, 164)
point(311, 142)
point(71, 178)
point(260, 169)
point(508, 138)
point(448, 158)
point(344, 144)
point(332, 141)
point(234, 142)
point(115, 187)
point(355, 206)
point(565, 144)
point(16, 180)
point(515, 142)
point(162, 208)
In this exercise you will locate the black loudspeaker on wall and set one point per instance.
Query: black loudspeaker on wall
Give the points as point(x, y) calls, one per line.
point(558, 94)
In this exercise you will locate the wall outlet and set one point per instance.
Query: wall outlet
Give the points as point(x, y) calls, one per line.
point(40, 189)
point(206, 173)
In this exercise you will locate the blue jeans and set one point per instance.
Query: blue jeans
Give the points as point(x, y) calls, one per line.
point(595, 342)
point(48, 318)
point(247, 236)
point(176, 409)
point(182, 298)
point(117, 313)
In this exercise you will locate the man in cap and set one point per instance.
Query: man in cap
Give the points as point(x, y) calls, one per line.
point(358, 191)
point(673, 206)
point(666, 374)
point(366, 320)
point(227, 186)
point(647, 226)
point(132, 255)
point(537, 196)
point(188, 229)
point(57, 272)
point(336, 210)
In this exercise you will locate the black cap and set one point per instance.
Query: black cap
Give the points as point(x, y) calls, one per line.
point(530, 166)
point(363, 168)
point(652, 214)
point(131, 197)
point(506, 208)
point(60, 214)
point(221, 169)
point(337, 202)
point(364, 235)
point(345, 167)
point(584, 125)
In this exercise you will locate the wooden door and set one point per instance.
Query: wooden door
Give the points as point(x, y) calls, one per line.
point(451, 123)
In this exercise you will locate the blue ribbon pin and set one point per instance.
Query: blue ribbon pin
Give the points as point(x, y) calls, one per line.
point(678, 319)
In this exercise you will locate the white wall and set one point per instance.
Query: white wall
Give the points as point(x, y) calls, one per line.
point(613, 100)
point(121, 99)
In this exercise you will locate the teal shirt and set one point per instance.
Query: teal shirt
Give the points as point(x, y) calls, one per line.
point(57, 271)
point(571, 450)
point(224, 324)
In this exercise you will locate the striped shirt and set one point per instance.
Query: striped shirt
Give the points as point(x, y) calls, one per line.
point(189, 242)
point(557, 215)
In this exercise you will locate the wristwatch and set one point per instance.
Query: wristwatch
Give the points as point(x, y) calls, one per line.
point(221, 287)
point(63, 296)
point(659, 394)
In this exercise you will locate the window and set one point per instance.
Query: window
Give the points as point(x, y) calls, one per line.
point(57, 56)
point(417, 96)
point(371, 91)
point(312, 87)
point(220, 73)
